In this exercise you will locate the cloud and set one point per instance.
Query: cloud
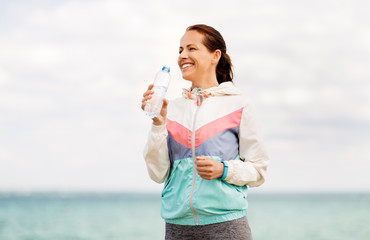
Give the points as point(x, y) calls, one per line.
point(72, 74)
point(4, 77)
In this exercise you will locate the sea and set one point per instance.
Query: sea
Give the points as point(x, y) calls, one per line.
point(116, 216)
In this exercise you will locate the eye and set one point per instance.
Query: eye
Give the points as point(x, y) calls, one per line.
point(180, 51)
point(191, 49)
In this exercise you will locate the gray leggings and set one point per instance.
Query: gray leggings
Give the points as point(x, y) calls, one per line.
point(237, 229)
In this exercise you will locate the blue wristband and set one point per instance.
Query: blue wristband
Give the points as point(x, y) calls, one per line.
point(226, 168)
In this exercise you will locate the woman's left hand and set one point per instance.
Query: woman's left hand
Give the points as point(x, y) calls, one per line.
point(209, 168)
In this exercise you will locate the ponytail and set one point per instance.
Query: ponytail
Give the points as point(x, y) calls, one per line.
point(224, 70)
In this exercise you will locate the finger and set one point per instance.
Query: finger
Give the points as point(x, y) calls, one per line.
point(205, 176)
point(144, 101)
point(149, 90)
point(146, 98)
point(150, 86)
point(202, 165)
point(205, 167)
point(147, 93)
point(204, 170)
point(200, 158)
point(165, 103)
point(164, 108)
point(203, 162)
point(163, 112)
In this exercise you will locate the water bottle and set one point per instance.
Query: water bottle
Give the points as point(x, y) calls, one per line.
point(162, 80)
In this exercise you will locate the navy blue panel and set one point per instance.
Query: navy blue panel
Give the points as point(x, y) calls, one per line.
point(176, 150)
point(224, 145)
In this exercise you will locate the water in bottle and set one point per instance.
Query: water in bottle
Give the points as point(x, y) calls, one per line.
point(161, 82)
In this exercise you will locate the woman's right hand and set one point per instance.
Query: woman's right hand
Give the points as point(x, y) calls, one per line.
point(161, 118)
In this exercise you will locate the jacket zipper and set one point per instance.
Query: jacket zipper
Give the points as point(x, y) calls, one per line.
point(193, 151)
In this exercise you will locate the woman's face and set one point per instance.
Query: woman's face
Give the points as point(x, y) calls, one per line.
point(195, 60)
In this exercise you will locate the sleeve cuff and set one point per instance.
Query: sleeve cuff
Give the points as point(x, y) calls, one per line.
point(159, 128)
point(230, 171)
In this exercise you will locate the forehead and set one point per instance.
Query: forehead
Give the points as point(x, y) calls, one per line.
point(191, 37)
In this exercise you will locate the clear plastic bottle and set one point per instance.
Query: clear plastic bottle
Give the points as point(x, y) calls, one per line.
point(161, 82)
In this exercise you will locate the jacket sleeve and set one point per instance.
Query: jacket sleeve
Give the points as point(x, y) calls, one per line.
point(251, 170)
point(156, 153)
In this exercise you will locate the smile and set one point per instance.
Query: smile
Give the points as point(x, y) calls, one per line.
point(186, 65)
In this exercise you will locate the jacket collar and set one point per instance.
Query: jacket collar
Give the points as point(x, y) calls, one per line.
point(225, 88)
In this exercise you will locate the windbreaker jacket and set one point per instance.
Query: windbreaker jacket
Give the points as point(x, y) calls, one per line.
point(218, 123)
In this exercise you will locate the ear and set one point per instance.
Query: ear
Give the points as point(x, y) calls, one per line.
point(216, 56)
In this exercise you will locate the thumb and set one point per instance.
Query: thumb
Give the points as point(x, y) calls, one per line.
point(164, 108)
point(165, 103)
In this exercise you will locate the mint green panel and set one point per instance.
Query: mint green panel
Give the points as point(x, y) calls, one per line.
point(177, 190)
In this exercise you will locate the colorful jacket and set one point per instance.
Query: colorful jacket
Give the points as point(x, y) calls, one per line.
point(221, 124)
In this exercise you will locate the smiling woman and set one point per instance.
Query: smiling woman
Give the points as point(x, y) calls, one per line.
point(206, 145)
point(200, 45)
point(214, 42)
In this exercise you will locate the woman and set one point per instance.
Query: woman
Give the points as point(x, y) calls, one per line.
point(205, 146)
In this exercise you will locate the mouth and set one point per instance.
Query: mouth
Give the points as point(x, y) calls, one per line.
point(185, 66)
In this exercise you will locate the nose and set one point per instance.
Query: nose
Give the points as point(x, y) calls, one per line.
point(183, 54)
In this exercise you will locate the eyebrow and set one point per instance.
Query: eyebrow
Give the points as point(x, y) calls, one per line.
point(188, 45)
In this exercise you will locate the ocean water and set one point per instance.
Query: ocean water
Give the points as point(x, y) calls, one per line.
point(110, 216)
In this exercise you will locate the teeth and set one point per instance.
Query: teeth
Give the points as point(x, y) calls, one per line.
point(186, 65)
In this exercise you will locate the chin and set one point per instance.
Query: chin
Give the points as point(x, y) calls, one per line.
point(187, 76)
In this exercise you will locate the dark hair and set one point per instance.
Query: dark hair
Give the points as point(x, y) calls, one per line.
point(213, 40)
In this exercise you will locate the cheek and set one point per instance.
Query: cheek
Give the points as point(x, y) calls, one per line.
point(205, 61)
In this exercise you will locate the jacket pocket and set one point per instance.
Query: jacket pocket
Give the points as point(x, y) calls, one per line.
point(176, 191)
point(242, 190)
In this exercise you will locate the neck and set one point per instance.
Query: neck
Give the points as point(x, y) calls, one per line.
point(204, 83)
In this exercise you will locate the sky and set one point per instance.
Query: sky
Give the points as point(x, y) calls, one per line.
point(72, 75)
